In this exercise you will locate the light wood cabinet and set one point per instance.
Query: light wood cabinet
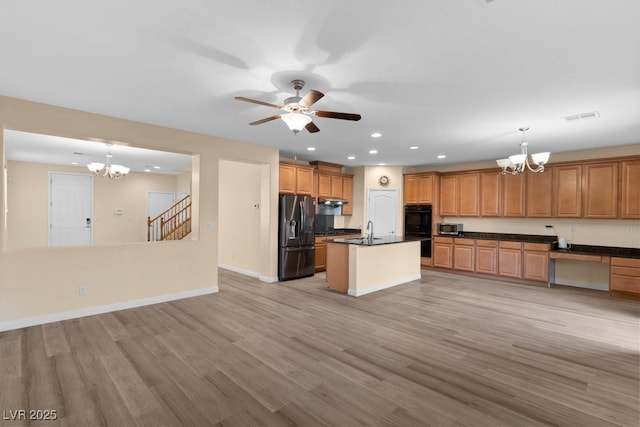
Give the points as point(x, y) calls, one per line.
point(510, 259)
point(469, 194)
point(490, 193)
point(419, 189)
point(535, 262)
point(464, 254)
point(449, 195)
point(487, 257)
point(347, 194)
point(442, 252)
point(601, 190)
point(513, 195)
point(624, 275)
point(321, 254)
point(630, 189)
point(539, 194)
point(324, 185)
point(295, 179)
point(567, 191)
point(336, 186)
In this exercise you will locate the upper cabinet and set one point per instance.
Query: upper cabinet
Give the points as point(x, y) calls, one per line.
point(419, 189)
point(539, 191)
point(469, 201)
point(449, 195)
point(347, 194)
point(567, 191)
point(330, 182)
point(630, 189)
point(490, 193)
point(295, 179)
point(513, 195)
point(601, 190)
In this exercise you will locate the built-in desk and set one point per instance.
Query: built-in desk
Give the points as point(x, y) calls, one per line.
point(573, 256)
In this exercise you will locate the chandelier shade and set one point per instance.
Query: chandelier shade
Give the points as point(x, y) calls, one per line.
point(296, 121)
point(519, 163)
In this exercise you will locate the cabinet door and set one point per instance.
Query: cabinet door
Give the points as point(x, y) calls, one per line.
point(449, 195)
point(321, 256)
point(425, 189)
point(442, 252)
point(539, 194)
point(630, 189)
point(464, 257)
point(513, 195)
point(625, 275)
point(336, 186)
point(567, 191)
point(490, 193)
point(304, 181)
point(510, 259)
point(535, 262)
point(411, 184)
point(324, 185)
point(469, 189)
point(601, 190)
point(347, 194)
point(287, 180)
point(487, 257)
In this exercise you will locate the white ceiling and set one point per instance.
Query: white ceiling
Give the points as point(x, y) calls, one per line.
point(451, 77)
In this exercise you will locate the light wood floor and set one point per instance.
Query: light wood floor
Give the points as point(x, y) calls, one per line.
point(445, 351)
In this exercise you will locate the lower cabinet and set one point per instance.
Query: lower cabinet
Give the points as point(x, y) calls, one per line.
point(464, 254)
point(624, 275)
point(510, 259)
point(535, 262)
point(443, 252)
point(487, 257)
point(321, 254)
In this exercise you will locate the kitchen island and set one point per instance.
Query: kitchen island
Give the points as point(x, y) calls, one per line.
point(359, 266)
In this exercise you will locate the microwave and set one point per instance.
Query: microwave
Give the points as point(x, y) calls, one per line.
point(450, 229)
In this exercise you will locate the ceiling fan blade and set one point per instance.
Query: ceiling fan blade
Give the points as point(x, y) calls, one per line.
point(310, 98)
point(334, 115)
point(312, 128)
point(254, 101)
point(268, 119)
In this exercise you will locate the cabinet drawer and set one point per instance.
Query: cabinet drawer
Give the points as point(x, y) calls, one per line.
point(626, 262)
point(543, 247)
point(464, 242)
point(625, 284)
point(448, 240)
point(511, 245)
point(487, 243)
point(625, 271)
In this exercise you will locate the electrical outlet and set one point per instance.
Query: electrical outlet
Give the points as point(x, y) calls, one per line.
point(630, 230)
point(572, 228)
point(83, 290)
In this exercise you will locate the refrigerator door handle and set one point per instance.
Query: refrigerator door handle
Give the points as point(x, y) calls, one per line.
point(302, 214)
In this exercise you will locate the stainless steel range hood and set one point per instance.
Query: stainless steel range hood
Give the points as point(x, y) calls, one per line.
point(330, 201)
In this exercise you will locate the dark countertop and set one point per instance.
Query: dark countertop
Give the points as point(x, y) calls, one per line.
point(386, 240)
point(340, 232)
point(552, 240)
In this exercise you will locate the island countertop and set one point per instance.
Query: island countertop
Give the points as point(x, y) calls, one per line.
point(383, 240)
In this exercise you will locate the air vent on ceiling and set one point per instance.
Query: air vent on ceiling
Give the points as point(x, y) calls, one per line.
point(582, 116)
point(485, 2)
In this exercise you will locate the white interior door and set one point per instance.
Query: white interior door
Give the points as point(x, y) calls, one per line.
point(382, 210)
point(70, 209)
point(158, 202)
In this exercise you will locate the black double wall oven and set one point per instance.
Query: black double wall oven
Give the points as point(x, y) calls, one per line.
point(417, 224)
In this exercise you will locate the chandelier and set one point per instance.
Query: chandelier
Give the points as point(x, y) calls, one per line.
point(516, 164)
point(108, 170)
point(296, 121)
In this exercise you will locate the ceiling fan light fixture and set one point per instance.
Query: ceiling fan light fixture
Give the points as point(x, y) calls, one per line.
point(296, 121)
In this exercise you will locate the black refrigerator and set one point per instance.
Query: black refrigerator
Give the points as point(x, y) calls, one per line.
point(296, 249)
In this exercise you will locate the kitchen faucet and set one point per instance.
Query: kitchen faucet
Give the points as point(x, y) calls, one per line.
point(370, 236)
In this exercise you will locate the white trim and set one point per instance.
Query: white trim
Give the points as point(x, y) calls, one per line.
point(249, 273)
point(392, 283)
point(66, 315)
point(587, 285)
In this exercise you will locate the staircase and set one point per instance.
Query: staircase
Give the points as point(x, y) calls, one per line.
point(172, 224)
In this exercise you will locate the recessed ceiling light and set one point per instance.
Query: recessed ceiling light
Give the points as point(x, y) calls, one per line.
point(74, 163)
point(413, 147)
point(376, 135)
point(381, 164)
point(156, 167)
point(373, 151)
point(351, 158)
point(147, 170)
point(311, 148)
point(442, 156)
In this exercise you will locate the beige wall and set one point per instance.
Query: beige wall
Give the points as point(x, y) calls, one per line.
point(42, 283)
point(28, 194)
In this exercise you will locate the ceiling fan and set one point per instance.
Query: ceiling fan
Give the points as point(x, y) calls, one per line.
point(297, 110)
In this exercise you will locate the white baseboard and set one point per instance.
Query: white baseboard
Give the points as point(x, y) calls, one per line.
point(74, 314)
point(248, 273)
point(360, 292)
